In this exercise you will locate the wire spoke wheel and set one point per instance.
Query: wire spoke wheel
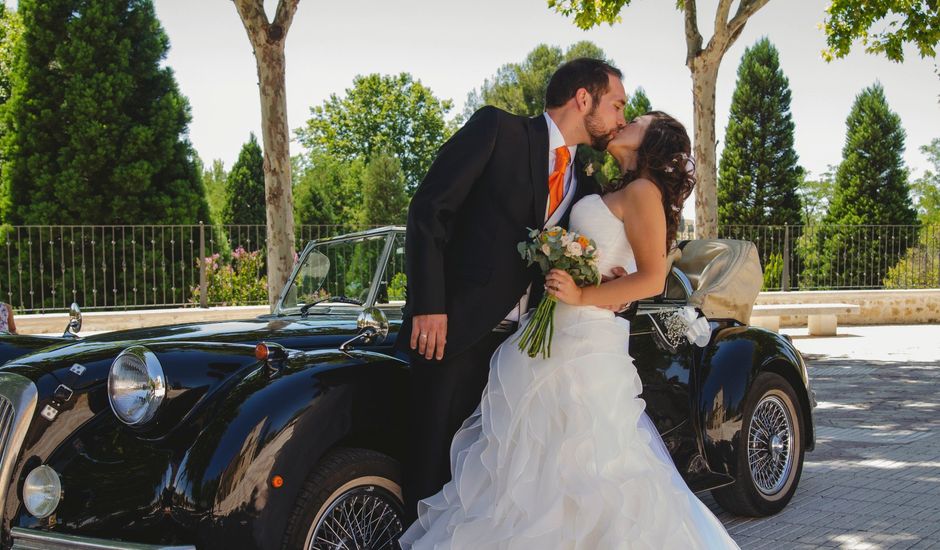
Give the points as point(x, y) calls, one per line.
point(770, 445)
point(363, 518)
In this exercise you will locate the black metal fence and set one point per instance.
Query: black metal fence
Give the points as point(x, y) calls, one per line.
point(46, 268)
point(844, 257)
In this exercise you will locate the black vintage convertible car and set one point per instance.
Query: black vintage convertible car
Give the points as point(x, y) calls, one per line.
point(286, 431)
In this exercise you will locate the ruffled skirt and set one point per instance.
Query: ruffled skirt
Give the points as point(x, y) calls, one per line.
point(561, 455)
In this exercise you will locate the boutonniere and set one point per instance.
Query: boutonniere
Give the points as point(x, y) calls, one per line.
point(589, 169)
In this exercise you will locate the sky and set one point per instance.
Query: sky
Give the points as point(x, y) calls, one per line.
point(452, 47)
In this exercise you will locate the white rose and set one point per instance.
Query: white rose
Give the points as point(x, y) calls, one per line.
point(574, 249)
point(566, 239)
point(546, 249)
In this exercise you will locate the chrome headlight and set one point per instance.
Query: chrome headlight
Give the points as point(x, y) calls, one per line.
point(42, 491)
point(136, 385)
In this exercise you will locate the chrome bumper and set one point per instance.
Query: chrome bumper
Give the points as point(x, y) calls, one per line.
point(28, 539)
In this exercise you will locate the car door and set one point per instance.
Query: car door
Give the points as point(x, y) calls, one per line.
point(665, 366)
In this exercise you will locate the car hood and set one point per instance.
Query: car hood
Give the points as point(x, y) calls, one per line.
point(315, 332)
point(244, 331)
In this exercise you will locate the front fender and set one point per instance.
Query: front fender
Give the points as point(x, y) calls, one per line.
point(728, 367)
point(281, 422)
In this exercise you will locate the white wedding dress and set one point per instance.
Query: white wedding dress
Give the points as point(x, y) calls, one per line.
point(560, 453)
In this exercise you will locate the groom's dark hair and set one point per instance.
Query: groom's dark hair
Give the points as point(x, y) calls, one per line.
point(591, 74)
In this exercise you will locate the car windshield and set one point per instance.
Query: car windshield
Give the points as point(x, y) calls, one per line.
point(334, 273)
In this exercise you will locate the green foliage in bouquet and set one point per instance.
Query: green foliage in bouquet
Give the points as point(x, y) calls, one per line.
point(555, 248)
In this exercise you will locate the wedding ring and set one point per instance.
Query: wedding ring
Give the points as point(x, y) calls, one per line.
point(423, 336)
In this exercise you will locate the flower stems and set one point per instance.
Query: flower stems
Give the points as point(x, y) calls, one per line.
point(536, 338)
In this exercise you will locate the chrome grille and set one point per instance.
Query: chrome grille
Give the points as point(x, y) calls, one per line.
point(7, 414)
point(17, 405)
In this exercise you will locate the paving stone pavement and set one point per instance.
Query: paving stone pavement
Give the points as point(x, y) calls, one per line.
point(873, 481)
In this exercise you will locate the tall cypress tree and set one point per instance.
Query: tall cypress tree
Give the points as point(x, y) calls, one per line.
point(758, 176)
point(871, 188)
point(244, 196)
point(384, 199)
point(97, 125)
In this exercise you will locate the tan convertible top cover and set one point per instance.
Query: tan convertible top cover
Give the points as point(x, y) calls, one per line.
point(726, 276)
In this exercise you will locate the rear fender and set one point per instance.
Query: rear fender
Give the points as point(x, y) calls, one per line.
point(728, 369)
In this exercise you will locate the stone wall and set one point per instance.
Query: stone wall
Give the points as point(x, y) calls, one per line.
point(878, 307)
point(100, 321)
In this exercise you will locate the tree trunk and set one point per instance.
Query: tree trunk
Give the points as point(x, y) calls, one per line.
point(704, 77)
point(704, 63)
point(267, 41)
point(277, 183)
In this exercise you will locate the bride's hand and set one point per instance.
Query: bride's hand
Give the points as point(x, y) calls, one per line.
point(561, 285)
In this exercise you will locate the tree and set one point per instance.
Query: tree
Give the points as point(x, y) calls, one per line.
point(392, 113)
point(267, 41)
point(919, 267)
point(871, 189)
point(815, 194)
point(328, 191)
point(11, 28)
point(758, 176)
point(915, 22)
point(703, 62)
point(384, 200)
point(519, 88)
point(214, 179)
point(96, 125)
point(244, 187)
point(927, 187)
point(638, 105)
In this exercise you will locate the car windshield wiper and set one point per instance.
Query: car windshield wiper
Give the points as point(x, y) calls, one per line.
point(338, 299)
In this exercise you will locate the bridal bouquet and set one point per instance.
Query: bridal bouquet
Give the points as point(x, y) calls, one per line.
point(555, 248)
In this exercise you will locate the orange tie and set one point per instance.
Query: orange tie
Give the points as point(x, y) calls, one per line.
point(556, 181)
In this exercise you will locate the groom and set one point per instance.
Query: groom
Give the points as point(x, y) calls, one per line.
point(467, 285)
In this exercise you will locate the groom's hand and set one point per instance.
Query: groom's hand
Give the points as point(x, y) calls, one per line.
point(429, 335)
point(618, 272)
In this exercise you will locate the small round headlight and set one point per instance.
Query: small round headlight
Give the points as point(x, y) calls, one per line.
point(42, 491)
point(136, 385)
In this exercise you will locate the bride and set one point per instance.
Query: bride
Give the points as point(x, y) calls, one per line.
point(560, 453)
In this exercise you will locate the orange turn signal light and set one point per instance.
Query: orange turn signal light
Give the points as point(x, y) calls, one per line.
point(277, 482)
point(262, 352)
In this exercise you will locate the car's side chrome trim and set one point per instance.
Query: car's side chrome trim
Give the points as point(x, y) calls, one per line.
point(29, 539)
point(18, 397)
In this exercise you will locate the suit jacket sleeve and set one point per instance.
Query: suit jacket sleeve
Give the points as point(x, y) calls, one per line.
point(458, 166)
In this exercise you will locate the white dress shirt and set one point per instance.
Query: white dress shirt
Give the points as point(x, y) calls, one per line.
point(555, 140)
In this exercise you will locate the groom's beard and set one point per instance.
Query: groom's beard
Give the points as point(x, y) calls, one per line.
point(600, 136)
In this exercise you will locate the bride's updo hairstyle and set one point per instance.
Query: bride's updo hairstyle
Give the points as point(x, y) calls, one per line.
point(665, 157)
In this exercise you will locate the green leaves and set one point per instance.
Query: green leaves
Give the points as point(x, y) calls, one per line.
point(590, 13)
point(758, 175)
point(381, 113)
point(245, 202)
point(97, 124)
point(871, 188)
point(883, 26)
point(384, 198)
point(519, 88)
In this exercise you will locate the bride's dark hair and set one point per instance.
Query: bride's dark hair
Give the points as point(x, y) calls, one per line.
point(665, 157)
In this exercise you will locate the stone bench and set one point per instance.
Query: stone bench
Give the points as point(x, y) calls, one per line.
point(822, 320)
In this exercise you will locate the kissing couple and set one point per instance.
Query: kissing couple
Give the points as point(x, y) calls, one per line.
point(508, 451)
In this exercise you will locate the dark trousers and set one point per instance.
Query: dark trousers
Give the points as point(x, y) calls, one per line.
point(443, 394)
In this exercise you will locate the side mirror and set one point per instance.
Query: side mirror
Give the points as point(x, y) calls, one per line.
point(75, 322)
point(373, 328)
